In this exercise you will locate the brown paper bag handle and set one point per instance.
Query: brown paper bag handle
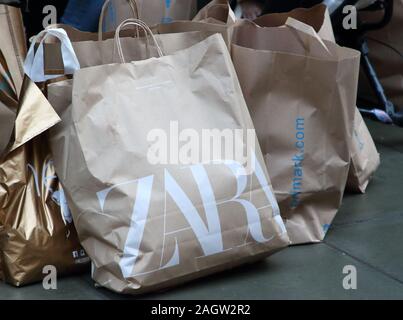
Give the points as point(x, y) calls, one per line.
point(133, 6)
point(231, 19)
point(301, 27)
point(204, 13)
point(142, 25)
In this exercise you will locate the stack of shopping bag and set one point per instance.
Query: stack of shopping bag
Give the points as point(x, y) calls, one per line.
point(91, 144)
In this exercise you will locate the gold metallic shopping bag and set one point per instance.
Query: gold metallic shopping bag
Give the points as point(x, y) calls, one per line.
point(36, 225)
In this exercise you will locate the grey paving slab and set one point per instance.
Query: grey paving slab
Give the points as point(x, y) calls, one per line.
point(387, 135)
point(384, 194)
point(303, 272)
point(377, 242)
point(70, 288)
point(384, 197)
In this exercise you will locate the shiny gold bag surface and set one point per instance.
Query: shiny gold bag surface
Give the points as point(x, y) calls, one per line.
point(36, 228)
point(8, 108)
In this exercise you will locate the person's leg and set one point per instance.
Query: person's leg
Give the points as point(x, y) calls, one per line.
point(33, 13)
point(83, 15)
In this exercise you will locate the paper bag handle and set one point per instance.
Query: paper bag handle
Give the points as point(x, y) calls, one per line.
point(303, 28)
point(231, 19)
point(134, 7)
point(144, 27)
point(34, 62)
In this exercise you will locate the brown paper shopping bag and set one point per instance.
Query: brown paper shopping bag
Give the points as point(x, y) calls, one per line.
point(95, 49)
point(364, 160)
point(216, 12)
point(301, 93)
point(12, 42)
point(99, 52)
point(36, 228)
point(215, 17)
point(93, 52)
point(317, 17)
point(149, 224)
point(52, 47)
